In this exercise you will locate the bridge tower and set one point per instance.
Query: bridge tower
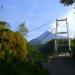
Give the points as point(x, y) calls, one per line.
point(66, 32)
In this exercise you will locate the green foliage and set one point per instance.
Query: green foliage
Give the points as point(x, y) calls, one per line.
point(21, 69)
point(14, 50)
point(48, 48)
point(4, 25)
point(31, 48)
point(38, 56)
point(34, 54)
point(73, 47)
point(22, 29)
point(66, 2)
point(62, 47)
point(14, 43)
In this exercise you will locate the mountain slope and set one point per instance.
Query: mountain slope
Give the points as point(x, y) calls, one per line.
point(44, 38)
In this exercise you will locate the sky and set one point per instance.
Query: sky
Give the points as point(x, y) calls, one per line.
point(39, 15)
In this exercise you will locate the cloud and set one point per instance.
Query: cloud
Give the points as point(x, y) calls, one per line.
point(71, 23)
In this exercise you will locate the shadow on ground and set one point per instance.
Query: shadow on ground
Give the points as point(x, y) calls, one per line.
point(60, 66)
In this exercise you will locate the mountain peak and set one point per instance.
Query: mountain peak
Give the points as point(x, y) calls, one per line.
point(42, 39)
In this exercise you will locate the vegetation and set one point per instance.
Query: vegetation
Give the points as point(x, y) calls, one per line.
point(22, 29)
point(35, 54)
point(15, 54)
point(18, 57)
point(4, 25)
point(14, 43)
point(48, 48)
point(67, 2)
point(21, 69)
point(73, 47)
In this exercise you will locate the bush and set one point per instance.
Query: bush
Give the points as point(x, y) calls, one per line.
point(13, 54)
point(48, 48)
point(73, 48)
point(35, 54)
point(21, 69)
point(13, 43)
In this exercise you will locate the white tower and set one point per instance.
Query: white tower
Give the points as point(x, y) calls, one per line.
point(60, 32)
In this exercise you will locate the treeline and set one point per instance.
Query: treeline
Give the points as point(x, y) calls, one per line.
point(48, 49)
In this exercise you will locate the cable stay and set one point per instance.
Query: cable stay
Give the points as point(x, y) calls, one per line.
point(39, 27)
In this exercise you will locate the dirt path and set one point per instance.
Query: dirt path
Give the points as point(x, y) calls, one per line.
point(61, 66)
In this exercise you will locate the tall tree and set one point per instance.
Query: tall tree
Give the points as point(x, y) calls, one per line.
point(22, 29)
point(67, 2)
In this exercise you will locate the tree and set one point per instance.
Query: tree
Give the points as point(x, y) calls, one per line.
point(48, 48)
point(13, 54)
point(4, 25)
point(67, 2)
point(22, 29)
point(11, 43)
point(73, 47)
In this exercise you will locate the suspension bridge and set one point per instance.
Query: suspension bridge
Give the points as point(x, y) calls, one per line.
point(55, 30)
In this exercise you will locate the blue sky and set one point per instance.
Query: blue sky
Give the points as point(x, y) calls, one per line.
point(34, 13)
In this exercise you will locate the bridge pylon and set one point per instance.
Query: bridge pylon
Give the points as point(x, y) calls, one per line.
point(57, 33)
